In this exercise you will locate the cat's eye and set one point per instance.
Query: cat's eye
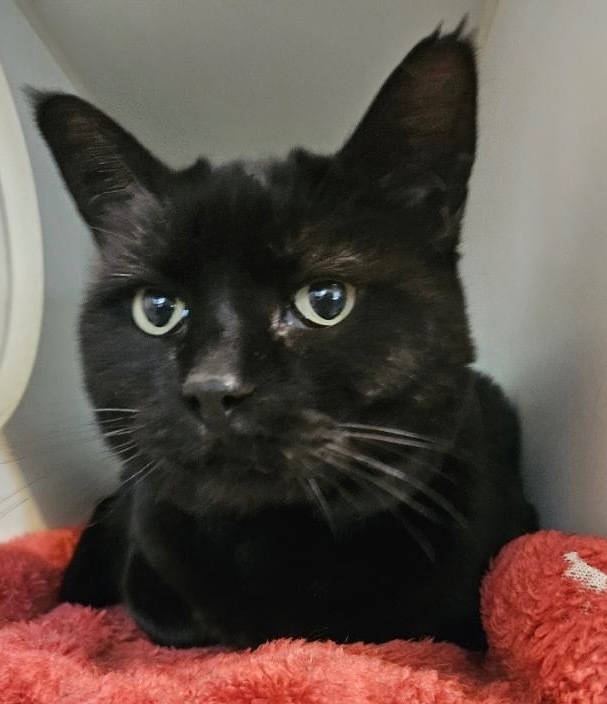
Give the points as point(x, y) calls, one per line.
point(157, 313)
point(324, 303)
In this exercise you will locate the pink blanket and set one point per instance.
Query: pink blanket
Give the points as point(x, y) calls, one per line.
point(545, 610)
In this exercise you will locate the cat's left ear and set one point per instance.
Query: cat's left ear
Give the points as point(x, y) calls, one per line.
point(417, 141)
point(113, 179)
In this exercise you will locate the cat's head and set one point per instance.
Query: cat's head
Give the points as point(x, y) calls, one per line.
point(245, 318)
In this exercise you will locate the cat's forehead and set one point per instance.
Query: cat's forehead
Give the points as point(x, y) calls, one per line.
point(248, 183)
point(271, 217)
point(228, 213)
point(267, 218)
point(259, 170)
point(241, 204)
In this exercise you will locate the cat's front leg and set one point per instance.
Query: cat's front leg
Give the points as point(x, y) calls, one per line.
point(94, 574)
point(158, 610)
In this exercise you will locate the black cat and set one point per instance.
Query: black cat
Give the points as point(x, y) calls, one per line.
point(279, 352)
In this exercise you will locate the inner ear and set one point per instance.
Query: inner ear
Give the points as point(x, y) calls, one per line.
point(111, 177)
point(419, 134)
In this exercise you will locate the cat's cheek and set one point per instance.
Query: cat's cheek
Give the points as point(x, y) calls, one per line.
point(172, 356)
point(380, 387)
point(290, 337)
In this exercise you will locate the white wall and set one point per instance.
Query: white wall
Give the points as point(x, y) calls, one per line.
point(536, 244)
point(47, 442)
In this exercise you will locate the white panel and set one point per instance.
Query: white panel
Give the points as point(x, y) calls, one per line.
point(4, 281)
point(49, 453)
point(21, 263)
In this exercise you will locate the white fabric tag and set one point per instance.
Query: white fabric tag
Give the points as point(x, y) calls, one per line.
point(590, 577)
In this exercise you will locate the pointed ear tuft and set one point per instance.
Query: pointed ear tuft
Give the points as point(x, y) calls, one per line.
point(419, 135)
point(104, 167)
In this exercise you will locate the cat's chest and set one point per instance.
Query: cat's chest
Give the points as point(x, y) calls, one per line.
point(285, 553)
point(256, 554)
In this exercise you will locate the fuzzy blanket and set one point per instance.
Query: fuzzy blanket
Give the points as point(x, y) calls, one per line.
point(544, 607)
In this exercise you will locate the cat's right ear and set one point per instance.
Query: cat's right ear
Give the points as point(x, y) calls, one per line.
point(112, 178)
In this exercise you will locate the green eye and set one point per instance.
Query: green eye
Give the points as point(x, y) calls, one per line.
point(157, 313)
point(325, 303)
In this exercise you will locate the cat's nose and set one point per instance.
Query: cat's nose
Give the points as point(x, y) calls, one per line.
point(213, 397)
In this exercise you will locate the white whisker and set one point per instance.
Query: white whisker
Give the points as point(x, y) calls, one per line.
point(322, 502)
point(414, 483)
point(404, 442)
point(380, 490)
point(387, 488)
point(391, 431)
point(10, 509)
point(342, 491)
point(120, 431)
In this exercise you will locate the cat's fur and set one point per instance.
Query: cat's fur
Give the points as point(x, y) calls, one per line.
point(279, 520)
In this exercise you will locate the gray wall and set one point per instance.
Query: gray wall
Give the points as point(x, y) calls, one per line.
point(536, 245)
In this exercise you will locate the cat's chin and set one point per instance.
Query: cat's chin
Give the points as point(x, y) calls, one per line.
point(244, 493)
point(281, 479)
point(240, 480)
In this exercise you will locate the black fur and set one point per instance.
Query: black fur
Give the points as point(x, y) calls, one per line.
point(254, 512)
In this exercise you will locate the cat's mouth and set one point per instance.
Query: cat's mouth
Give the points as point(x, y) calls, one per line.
point(266, 454)
point(277, 455)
